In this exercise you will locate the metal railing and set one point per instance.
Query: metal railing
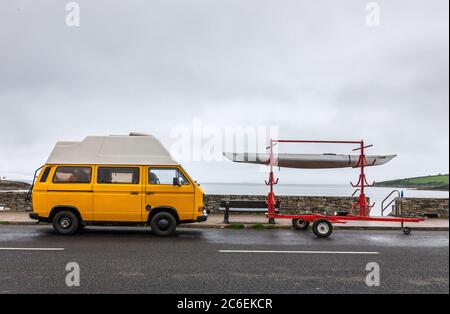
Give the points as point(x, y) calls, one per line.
point(30, 191)
point(383, 206)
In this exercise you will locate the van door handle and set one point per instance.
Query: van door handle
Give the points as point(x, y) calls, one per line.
point(134, 193)
point(150, 193)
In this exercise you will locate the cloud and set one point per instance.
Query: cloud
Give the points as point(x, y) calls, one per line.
point(313, 68)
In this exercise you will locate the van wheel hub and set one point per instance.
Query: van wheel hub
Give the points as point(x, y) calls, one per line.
point(163, 224)
point(65, 223)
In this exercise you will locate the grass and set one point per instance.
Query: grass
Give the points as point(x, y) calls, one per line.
point(434, 182)
point(237, 226)
point(260, 226)
point(4, 222)
point(440, 179)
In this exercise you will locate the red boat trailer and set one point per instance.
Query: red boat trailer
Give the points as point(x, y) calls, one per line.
point(322, 224)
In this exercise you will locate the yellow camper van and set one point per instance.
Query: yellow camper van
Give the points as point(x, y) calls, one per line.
point(115, 180)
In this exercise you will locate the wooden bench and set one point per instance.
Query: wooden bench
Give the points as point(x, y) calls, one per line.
point(244, 206)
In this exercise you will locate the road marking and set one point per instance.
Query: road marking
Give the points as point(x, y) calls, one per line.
point(299, 252)
point(30, 249)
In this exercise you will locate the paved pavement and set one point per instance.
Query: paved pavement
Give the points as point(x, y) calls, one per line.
point(216, 221)
point(250, 220)
point(132, 260)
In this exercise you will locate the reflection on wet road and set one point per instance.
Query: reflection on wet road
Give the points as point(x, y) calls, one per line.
point(223, 261)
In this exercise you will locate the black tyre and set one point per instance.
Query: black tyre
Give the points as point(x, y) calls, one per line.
point(406, 230)
point(163, 224)
point(65, 223)
point(322, 228)
point(300, 224)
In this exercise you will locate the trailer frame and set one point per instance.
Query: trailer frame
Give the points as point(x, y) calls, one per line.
point(324, 222)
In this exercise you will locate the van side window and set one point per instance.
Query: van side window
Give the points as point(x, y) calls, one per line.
point(73, 174)
point(118, 175)
point(165, 176)
point(45, 175)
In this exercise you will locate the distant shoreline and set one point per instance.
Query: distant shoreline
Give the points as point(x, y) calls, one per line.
point(419, 188)
point(427, 183)
point(6, 185)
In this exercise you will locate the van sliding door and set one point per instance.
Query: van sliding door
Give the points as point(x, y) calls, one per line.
point(118, 194)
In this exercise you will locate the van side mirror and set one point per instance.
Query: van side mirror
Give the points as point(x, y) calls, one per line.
point(176, 182)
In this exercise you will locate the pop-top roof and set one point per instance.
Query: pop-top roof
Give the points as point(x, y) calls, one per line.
point(135, 149)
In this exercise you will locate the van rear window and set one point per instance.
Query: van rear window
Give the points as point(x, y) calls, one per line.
point(118, 175)
point(73, 174)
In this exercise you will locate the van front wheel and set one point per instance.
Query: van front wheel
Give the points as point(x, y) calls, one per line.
point(163, 224)
point(65, 223)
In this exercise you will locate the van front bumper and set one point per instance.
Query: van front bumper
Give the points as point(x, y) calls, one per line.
point(202, 218)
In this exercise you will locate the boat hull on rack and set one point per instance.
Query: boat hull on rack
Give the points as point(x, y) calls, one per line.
point(310, 161)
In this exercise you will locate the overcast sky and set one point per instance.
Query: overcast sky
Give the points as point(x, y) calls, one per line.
point(314, 69)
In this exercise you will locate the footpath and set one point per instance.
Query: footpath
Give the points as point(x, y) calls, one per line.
point(259, 221)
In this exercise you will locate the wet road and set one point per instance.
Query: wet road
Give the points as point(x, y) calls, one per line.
point(131, 260)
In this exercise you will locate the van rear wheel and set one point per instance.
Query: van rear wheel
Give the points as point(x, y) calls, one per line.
point(163, 224)
point(65, 223)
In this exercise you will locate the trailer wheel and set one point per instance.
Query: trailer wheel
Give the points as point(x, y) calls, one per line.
point(322, 228)
point(406, 230)
point(300, 224)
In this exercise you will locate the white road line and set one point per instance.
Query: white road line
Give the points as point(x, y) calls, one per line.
point(298, 252)
point(30, 249)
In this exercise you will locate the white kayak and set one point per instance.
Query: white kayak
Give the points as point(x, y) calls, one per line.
point(310, 161)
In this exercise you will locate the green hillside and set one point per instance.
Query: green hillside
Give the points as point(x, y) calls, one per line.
point(436, 182)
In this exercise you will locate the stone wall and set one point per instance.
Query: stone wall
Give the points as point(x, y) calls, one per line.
point(14, 201)
point(291, 204)
point(433, 207)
